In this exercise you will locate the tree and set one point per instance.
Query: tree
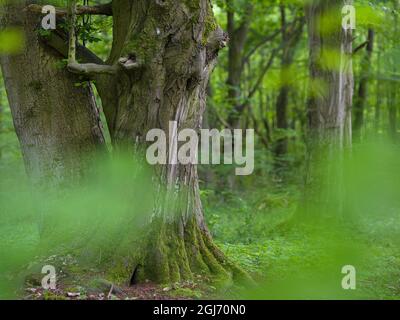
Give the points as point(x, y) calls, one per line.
point(329, 107)
point(56, 122)
point(393, 85)
point(1, 118)
point(157, 71)
point(362, 94)
point(331, 75)
point(238, 36)
point(291, 34)
point(1, 114)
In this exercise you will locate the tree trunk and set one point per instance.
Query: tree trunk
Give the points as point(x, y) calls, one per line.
point(238, 36)
point(1, 116)
point(359, 107)
point(329, 107)
point(157, 72)
point(56, 122)
point(378, 89)
point(393, 85)
point(331, 76)
point(176, 44)
point(289, 42)
point(392, 114)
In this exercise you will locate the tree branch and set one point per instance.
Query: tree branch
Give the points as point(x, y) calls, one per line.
point(88, 69)
point(58, 40)
point(266, 39)
point(263, 72)
point(72, 32)
point(102, 9)
point(361, 46)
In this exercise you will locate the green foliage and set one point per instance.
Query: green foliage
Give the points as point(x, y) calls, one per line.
point(96, 221)
point(12, 41)
point(268, 233)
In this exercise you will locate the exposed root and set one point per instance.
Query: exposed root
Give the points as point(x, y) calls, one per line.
point(178, 253)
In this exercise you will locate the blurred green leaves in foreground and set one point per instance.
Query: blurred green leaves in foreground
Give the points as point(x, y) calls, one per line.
point(295, 256)
point(12, 41)
point(95, 221)
point(296, 259)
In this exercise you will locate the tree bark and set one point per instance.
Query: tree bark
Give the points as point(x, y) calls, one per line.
point(331, 76)
point(1, 116)
point(329, 107)
point(159, 67)
point(56, 122)
point(393, 85)
point(290, 40)
point(176, 44)
point(359, 107)
point(378, 89)
point(238, 36)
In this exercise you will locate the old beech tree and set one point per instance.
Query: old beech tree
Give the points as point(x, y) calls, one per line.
point(158, 68)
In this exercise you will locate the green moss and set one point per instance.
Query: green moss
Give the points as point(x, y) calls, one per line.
point(210, 24)
point(119, 272)
point(48, 295)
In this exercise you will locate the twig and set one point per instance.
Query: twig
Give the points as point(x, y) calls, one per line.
point(110, 292)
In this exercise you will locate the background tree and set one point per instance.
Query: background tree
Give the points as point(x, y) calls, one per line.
point(291, 35)
point(359, 107)
point(329, 107)
point(238, 34)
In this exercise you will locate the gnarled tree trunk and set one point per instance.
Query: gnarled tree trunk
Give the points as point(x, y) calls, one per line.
point(175, 44)
point(157, 72)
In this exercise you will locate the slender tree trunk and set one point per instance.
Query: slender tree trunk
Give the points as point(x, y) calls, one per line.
point(290, 41)
point(379, 95)
point(56, 122)
point(394, 84)
point(329, 108)
point(1, 115)
point(392, 115)
point(359, 107)
point(238, 36)
point(208, 173)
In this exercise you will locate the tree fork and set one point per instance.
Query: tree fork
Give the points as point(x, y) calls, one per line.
point(164, 53)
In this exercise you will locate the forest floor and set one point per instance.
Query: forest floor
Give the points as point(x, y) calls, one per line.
point(292, 261)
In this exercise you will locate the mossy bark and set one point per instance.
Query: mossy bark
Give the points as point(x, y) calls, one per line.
point(163, 52)
point(175, 44)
